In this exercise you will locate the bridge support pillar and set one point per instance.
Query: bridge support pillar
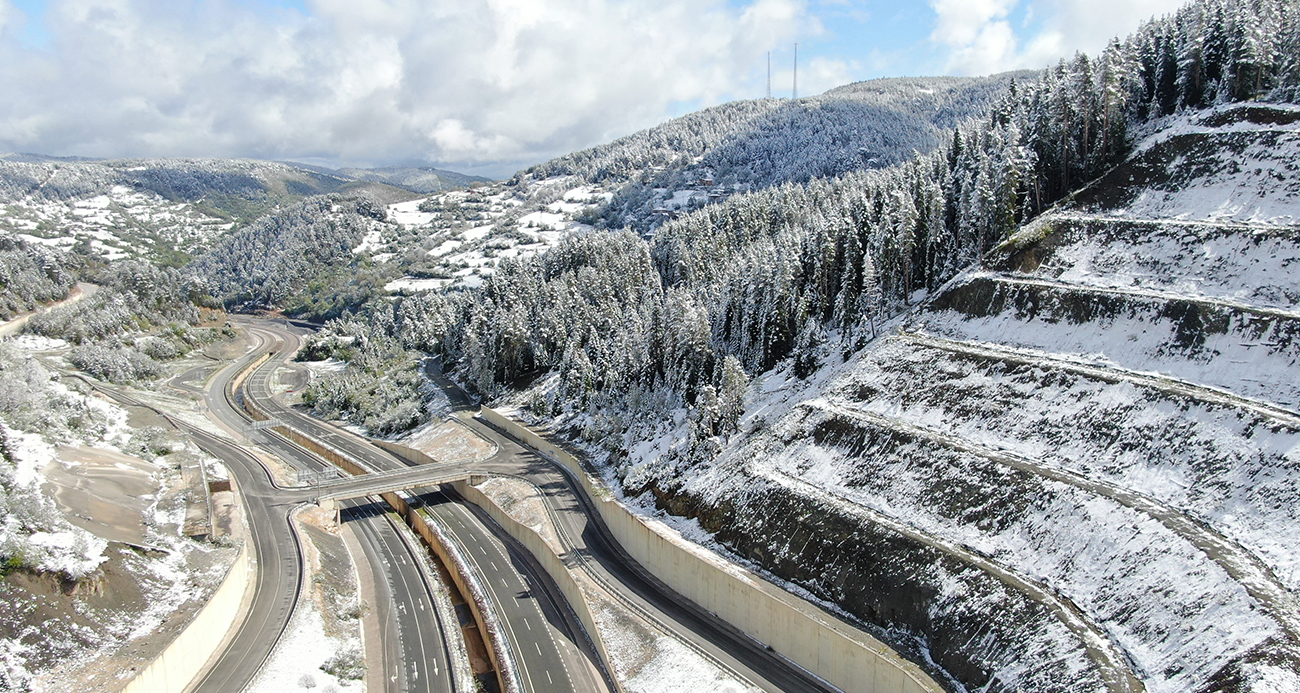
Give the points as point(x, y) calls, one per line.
point(331, 505)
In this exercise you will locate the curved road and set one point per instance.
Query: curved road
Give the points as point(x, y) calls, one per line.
point(547, 644)
point(415, 652)
point(277, 556)
point(595, 547)
point(600, 555)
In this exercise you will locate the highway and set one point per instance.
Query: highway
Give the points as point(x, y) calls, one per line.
point(583, 532)
point(600, 556)
point(276, 551)
point(415, 659)
point(549, 648)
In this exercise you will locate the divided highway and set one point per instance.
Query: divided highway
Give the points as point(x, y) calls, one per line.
point(415, 652)
point(585, 535)
point(548, 646)
point(600, 555)
point(278, 555)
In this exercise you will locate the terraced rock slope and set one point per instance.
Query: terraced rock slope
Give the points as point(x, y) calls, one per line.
point(1076, 467)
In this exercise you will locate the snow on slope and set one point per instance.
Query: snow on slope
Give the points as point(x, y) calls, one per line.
point(1238, 163)
point(457, 238)
point(1138, 343)
point(1197, 259)
point(118, 223)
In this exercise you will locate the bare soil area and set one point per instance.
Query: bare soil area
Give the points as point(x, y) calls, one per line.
point(95, 634)
point(103, 491)
point(451, 442)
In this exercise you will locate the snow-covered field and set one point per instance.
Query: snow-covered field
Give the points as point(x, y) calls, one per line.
point(298, 657)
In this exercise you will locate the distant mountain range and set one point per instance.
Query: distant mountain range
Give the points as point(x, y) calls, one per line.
point(417, 179)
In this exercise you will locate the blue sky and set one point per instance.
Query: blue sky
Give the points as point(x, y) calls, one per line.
point(480, 85)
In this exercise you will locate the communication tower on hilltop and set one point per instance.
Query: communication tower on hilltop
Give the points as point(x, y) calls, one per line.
point(769, 74)
point(794, 92)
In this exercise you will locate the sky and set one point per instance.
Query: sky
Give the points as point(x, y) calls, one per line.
point(480, 86)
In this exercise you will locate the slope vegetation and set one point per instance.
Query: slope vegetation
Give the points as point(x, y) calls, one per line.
point(168, 210)
point(1073, 468)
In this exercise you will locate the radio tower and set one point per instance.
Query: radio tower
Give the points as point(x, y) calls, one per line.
point(794, 93)
point(769, 74)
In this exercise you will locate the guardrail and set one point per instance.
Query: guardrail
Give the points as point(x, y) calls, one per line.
point(847, 658)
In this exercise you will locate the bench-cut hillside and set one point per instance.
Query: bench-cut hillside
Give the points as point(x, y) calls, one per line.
point(1076, 467)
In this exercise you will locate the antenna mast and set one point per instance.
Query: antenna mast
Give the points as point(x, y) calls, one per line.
point(794, 93)
point(769, 74)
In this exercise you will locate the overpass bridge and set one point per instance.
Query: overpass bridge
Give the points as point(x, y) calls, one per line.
point(330, 493)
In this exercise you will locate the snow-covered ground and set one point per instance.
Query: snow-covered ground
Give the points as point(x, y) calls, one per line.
point(107, 630)
point(465, 233)
point(415, 284)
point(1244, 264)
point(112, 222)
point(298, 657)
point(1110, 418)
point(58, 547)
point(1242, 171)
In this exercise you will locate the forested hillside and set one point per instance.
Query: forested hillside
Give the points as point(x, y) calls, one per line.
point(727, 287)
point(702, 159)
point(170, 210)
point(276, 260)
point(646, 350)
point(413, 178)
point(31, 275)
point(750, 145)
point(769, 273)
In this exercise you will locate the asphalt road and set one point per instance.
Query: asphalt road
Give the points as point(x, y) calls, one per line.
point(277, 553)
point(543, 635)
point(416, 655)
point(279, 570)
point(416, 658)
point(547, 644)
point(601, 556)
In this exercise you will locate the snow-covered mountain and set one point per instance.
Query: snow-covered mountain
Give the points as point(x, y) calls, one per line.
point(1025, 404)
point(170, 209)
point(648, 178)
point(1075, 463)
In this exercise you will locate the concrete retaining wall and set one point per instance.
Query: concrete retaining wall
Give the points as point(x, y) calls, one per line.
point(174, 669)
point(442, 546)
point(409, 454)
point(553, 564)
point(846, 657)
point(432, 536)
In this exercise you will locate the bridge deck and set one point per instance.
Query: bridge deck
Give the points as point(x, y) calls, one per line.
point(386, 482)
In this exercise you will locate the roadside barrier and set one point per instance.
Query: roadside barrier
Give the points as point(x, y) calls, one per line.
point(433, 537)
point(175, 667)
point(802, 632)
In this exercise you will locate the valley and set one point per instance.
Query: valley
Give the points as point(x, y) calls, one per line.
point(916, 385)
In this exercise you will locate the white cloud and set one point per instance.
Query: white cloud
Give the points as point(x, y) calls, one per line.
point(982, 37)
point(439, 80)
point(961, 22)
